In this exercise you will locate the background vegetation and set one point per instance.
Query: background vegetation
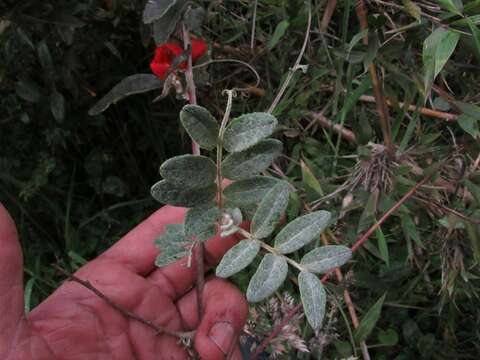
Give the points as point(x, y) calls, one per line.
point(76, 183)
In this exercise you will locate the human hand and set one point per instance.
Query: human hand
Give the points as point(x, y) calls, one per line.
point(75, 324)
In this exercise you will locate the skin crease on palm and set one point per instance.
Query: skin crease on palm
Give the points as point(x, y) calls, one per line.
point(75, 324)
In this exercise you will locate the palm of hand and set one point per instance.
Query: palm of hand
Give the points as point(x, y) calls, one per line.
point(74, 323)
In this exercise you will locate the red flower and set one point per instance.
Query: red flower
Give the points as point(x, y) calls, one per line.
point(166, 54)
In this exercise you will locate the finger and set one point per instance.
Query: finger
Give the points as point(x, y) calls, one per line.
point(225, 313)
point(177, 278)
point(136, 249)
point(11, 279)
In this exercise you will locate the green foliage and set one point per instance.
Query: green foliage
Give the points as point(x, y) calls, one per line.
point(314, 298)
point(190, 171)
point(238, 258)
point(177, 195)
point(249, 191)
point(200, 222)
point(369, 320)
point(322, 259)
point(173, 245)
point(200, 125)
point(270, 275)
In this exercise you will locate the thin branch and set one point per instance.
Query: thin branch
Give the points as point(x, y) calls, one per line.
point(297, 63)
point(347, 134)
point(125, 312)
point(191, 88)
point(423, 110)
point(376, 84)
point(327, 15)
point(254, 24)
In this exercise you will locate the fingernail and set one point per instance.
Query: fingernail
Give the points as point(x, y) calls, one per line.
point(222, 335)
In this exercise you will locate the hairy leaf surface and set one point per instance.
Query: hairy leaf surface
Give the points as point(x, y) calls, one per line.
point(270, 275)
point(249, 191)
point(200, 125)
point(200, 222)
point(301, 231)
point(238, 258)
point(169, 193)
point(192, 171)
point(313, 297)
point(324, 258)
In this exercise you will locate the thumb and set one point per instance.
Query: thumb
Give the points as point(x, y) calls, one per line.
point(11, 279)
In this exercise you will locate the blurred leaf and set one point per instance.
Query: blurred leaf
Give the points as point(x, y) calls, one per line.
point(194, 18)
point(249, 191)
point(382, 245)
point(134, 84)
point(189, 171)
point(155, 9)
point(388, 337)
point(247, 130)
point(173, 245)
point(469, 125)
point(437, 49)
point(413, 9)
point(270, 275)
point(270, 210)
point(314, 298)
point(168, 193)
point(28, 90)
point(369, 320)
point(57, 106)
point(200, 125)
point(46, 61)
point(475, 34)
point(238, 258)
point(247, 163)
point(164, 26)
point(279, 32)
point(410, 229)
point(455, 7)
point(201, 222)
point(301, 231)
point(309, 178)
point(325, 258)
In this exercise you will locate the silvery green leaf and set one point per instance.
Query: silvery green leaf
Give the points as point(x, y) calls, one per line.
point(134, 84)
point(245, 164)
point(155, 9)
point(301, 231)
point(168, 193)
point(164, 26)
point(238, 258)
point(249, 191)
point(194, 18)
point(270, 275)
point(191, 171)
point(200, 222)
point(270, 210)
point(324, 258)
point(57, 106)
point(200, 125)
point(247, 130)
point(313, 297)
point(173, 245)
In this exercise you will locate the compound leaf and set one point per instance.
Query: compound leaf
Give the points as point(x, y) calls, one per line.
point(247, 130)
point(314, 298)
point(244, 164)
point(173, 245)
point(134, 84)
point(169, 193)
point(301, 231)
point(200, 222)
point(200, 125)
point(270, 210)
point(238, 258)
point(271, 273)
point(249, 191)
point(324, 258)
point(191, 171)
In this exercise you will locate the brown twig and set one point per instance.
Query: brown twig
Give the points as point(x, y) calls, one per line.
point(125, 312)
point(350, 305)
point(424, 111)
point(376, 84)
point(347, 134)
point(327, 15)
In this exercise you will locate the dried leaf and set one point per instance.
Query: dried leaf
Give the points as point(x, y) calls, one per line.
point(238, 258)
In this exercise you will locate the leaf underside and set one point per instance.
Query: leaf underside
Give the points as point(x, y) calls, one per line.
point(313, 297)
point(325, 258)
point(173, 245)
point(238, 258)
point(270, 275)
point(200, 222)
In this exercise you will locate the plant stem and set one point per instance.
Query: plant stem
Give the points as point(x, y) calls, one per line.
point(221, 133)
point(125, 312)
point(376, 84)
point(297, 63)
point(191, 88)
